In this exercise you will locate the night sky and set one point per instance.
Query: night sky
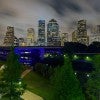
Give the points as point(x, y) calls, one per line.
point(23, 14)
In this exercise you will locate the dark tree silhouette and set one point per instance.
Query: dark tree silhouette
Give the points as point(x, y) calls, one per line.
point(11, 83)
point(66, 85)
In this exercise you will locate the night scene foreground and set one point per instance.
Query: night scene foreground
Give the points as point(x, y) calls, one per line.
point(60, 73)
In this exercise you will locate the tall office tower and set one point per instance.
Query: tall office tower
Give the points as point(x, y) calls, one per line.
point(30, 37)
point(98, 29)
point(41, 33)
point(82, 32)
point(64, 38)
point(95, 35)
point(16, 41)
point(9, 38)
point(74, 36)
point(22, 42)
point(2, 30)
point(53, 36)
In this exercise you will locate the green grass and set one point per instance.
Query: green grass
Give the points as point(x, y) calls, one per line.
point(39, 85)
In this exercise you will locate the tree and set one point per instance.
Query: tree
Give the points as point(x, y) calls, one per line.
point(74, 47)
point(66, 85)
point(11, 77)
point(94, 47)
point(93, 84)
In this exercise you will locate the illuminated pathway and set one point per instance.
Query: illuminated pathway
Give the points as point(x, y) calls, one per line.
point(29, 95)
point(25, 73)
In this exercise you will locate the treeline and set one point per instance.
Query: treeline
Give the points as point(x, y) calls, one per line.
point(67, 84)
point(74, 47)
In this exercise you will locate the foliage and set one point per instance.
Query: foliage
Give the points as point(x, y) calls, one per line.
point(94, 47)
point(11, 83)
point(44, 69)
point(54, 60)
point(66, 85)
point(39, 85)
point(74, 47)
point(93, 85)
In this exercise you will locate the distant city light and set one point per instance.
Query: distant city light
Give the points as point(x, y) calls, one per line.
point(26, 57)
point(88, 58)
point(46, 55)
point(50, 55)
point(75, 57)
point(20, 83)
point(27, 52)
point(64, 55)
point(88, 75)
point(75, 73)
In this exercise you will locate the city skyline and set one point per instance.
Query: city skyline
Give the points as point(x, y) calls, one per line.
point(52, 36)
point(24, 14)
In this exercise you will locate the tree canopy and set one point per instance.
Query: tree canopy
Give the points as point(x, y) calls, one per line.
point(67, 87)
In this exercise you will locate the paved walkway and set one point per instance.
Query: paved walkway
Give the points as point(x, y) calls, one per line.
point(29, 95)
point(25, 73)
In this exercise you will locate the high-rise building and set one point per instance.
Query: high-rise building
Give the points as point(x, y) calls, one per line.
point(81, 29)
point(74, 36)
point(22, 42)
point(98, 29)
point(64, 38)
point(53, 36)
point(9, 38)
point(95, 34)
point(41, 33)
point(82, 32)
point(16, 41)
point(30, 37)
point(80, 35)
point(2, 30)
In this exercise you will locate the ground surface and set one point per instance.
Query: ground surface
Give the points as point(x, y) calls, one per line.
point(39, 85)
point(31, 96)
point(27, 95)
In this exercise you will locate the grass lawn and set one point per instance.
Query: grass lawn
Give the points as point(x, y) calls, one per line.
point(39, 85)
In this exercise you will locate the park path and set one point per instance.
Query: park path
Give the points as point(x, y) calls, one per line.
point(29, 95)
point(25, 72)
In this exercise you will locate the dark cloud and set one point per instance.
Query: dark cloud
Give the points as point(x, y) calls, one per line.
point(8, 13)
point(95, 4)
point(60, 6)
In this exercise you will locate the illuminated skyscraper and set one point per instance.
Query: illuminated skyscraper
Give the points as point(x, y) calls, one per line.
point(80, 35)
point(74, 36)
point(64, 38)
point(98, 29)
point(9, 38)
point(95, 34)
point(16, 41)
point(53, 36)
point(30, 37)
point(41, 33)
point(81, 29)
point(22, 42)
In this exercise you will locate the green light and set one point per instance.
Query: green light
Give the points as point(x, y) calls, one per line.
point(88, 58)
point(50, 55)
point(46, 55)
point(88, 75)
point(20, 83)
point(64, 55)
point(75, 57)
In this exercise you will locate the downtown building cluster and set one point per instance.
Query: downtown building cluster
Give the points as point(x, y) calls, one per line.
point(49, 35)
